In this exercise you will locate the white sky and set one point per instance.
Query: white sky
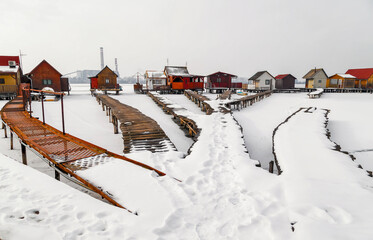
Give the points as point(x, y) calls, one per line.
point(236, 36)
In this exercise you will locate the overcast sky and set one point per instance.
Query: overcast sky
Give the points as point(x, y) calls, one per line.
point(236, 36)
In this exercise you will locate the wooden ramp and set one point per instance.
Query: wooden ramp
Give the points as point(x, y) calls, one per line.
point(139, 131)
point(66, 153)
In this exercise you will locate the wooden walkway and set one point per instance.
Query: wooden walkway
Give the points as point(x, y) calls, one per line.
point(139, 131)
point(248, 100)
point(65, 153)
point(226, 95)
point(200, 100)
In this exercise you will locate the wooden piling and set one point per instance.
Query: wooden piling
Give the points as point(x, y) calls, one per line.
point(271, 164)
point(5, 132)
point(24, 156)
point(11, 140)
point(57, 175)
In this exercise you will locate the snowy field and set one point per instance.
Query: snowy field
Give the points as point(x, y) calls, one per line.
point(222, 194)
point(350, 122)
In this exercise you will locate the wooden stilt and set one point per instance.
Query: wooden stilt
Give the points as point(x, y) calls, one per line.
point(271, 164)
point(24, 156)
point(11, 140)
point(57, 175)
point(5, 132)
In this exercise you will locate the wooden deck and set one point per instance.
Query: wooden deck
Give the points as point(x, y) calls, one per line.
point(139, 131)
point(226, 95)
point(65, 153)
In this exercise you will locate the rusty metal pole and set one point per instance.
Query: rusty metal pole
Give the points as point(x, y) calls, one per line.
point(42, 107)
point(11, 140)
point(63, 117)
point(24, 156)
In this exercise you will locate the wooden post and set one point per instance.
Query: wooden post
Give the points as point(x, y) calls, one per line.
point(57, 175)
point(11, 140)
point(3, 126)
point(115, 123)
point(271, 163)
point(5, 132)
point(24, 156)
point(103, 106)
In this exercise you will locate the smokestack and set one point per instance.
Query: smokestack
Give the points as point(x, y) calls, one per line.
point(102, 57)
point(116, 66)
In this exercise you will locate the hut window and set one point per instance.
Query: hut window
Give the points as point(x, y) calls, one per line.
point(268, 82)
point(47, 82)
point(2, 81)
point(107, 80)
point(218, 79)
point(319, 81)
point(333, 81)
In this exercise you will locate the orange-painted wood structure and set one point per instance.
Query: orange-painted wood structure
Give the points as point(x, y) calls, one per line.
point(64, 151)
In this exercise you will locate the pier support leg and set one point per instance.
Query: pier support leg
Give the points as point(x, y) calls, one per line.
point(115, 123)
point(24, 156)
point(57, 175)
point(5, 132)
point(271, 163)
point(11, 140)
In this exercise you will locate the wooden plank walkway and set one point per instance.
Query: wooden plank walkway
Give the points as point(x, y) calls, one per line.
point(139, 131)
point(65, 152)
point(226, 95)
point(200, 100)
point(247, 100)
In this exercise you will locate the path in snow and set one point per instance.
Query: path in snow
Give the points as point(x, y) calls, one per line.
point(328, 195)
point(350, 122)
point(220, 197)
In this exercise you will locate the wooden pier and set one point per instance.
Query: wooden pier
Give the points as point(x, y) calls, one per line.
point(200, 100)
point(139, 131)
point(185, 123)
point(65, 153)
point(248, 100)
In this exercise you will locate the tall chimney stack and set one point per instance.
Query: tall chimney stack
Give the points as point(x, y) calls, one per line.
point(102, 57)
point(116, 66)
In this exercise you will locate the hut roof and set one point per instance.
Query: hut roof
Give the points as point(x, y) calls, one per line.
point(234, 76)
point(258, 74)
point(44, 61)
point(362, 73)
point(313, 72)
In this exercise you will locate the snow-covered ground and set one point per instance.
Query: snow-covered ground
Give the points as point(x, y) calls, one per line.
point(328, 196)
point(350, 122)
point(222, 194)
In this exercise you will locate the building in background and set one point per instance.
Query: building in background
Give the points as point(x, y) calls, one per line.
point(155, 80)
point(285, 81)
point(341, 80)
point(364, 77)
point(10, 76)
point(105, 80)
point(179, 79)
point(221, 81)
point(44, 75)
point(262, 81)
point(316, 78)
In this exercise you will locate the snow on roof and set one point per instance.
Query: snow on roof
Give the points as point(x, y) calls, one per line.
point(345, 75)
point(155, 74)
point(7, 69)
point(177, 70)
